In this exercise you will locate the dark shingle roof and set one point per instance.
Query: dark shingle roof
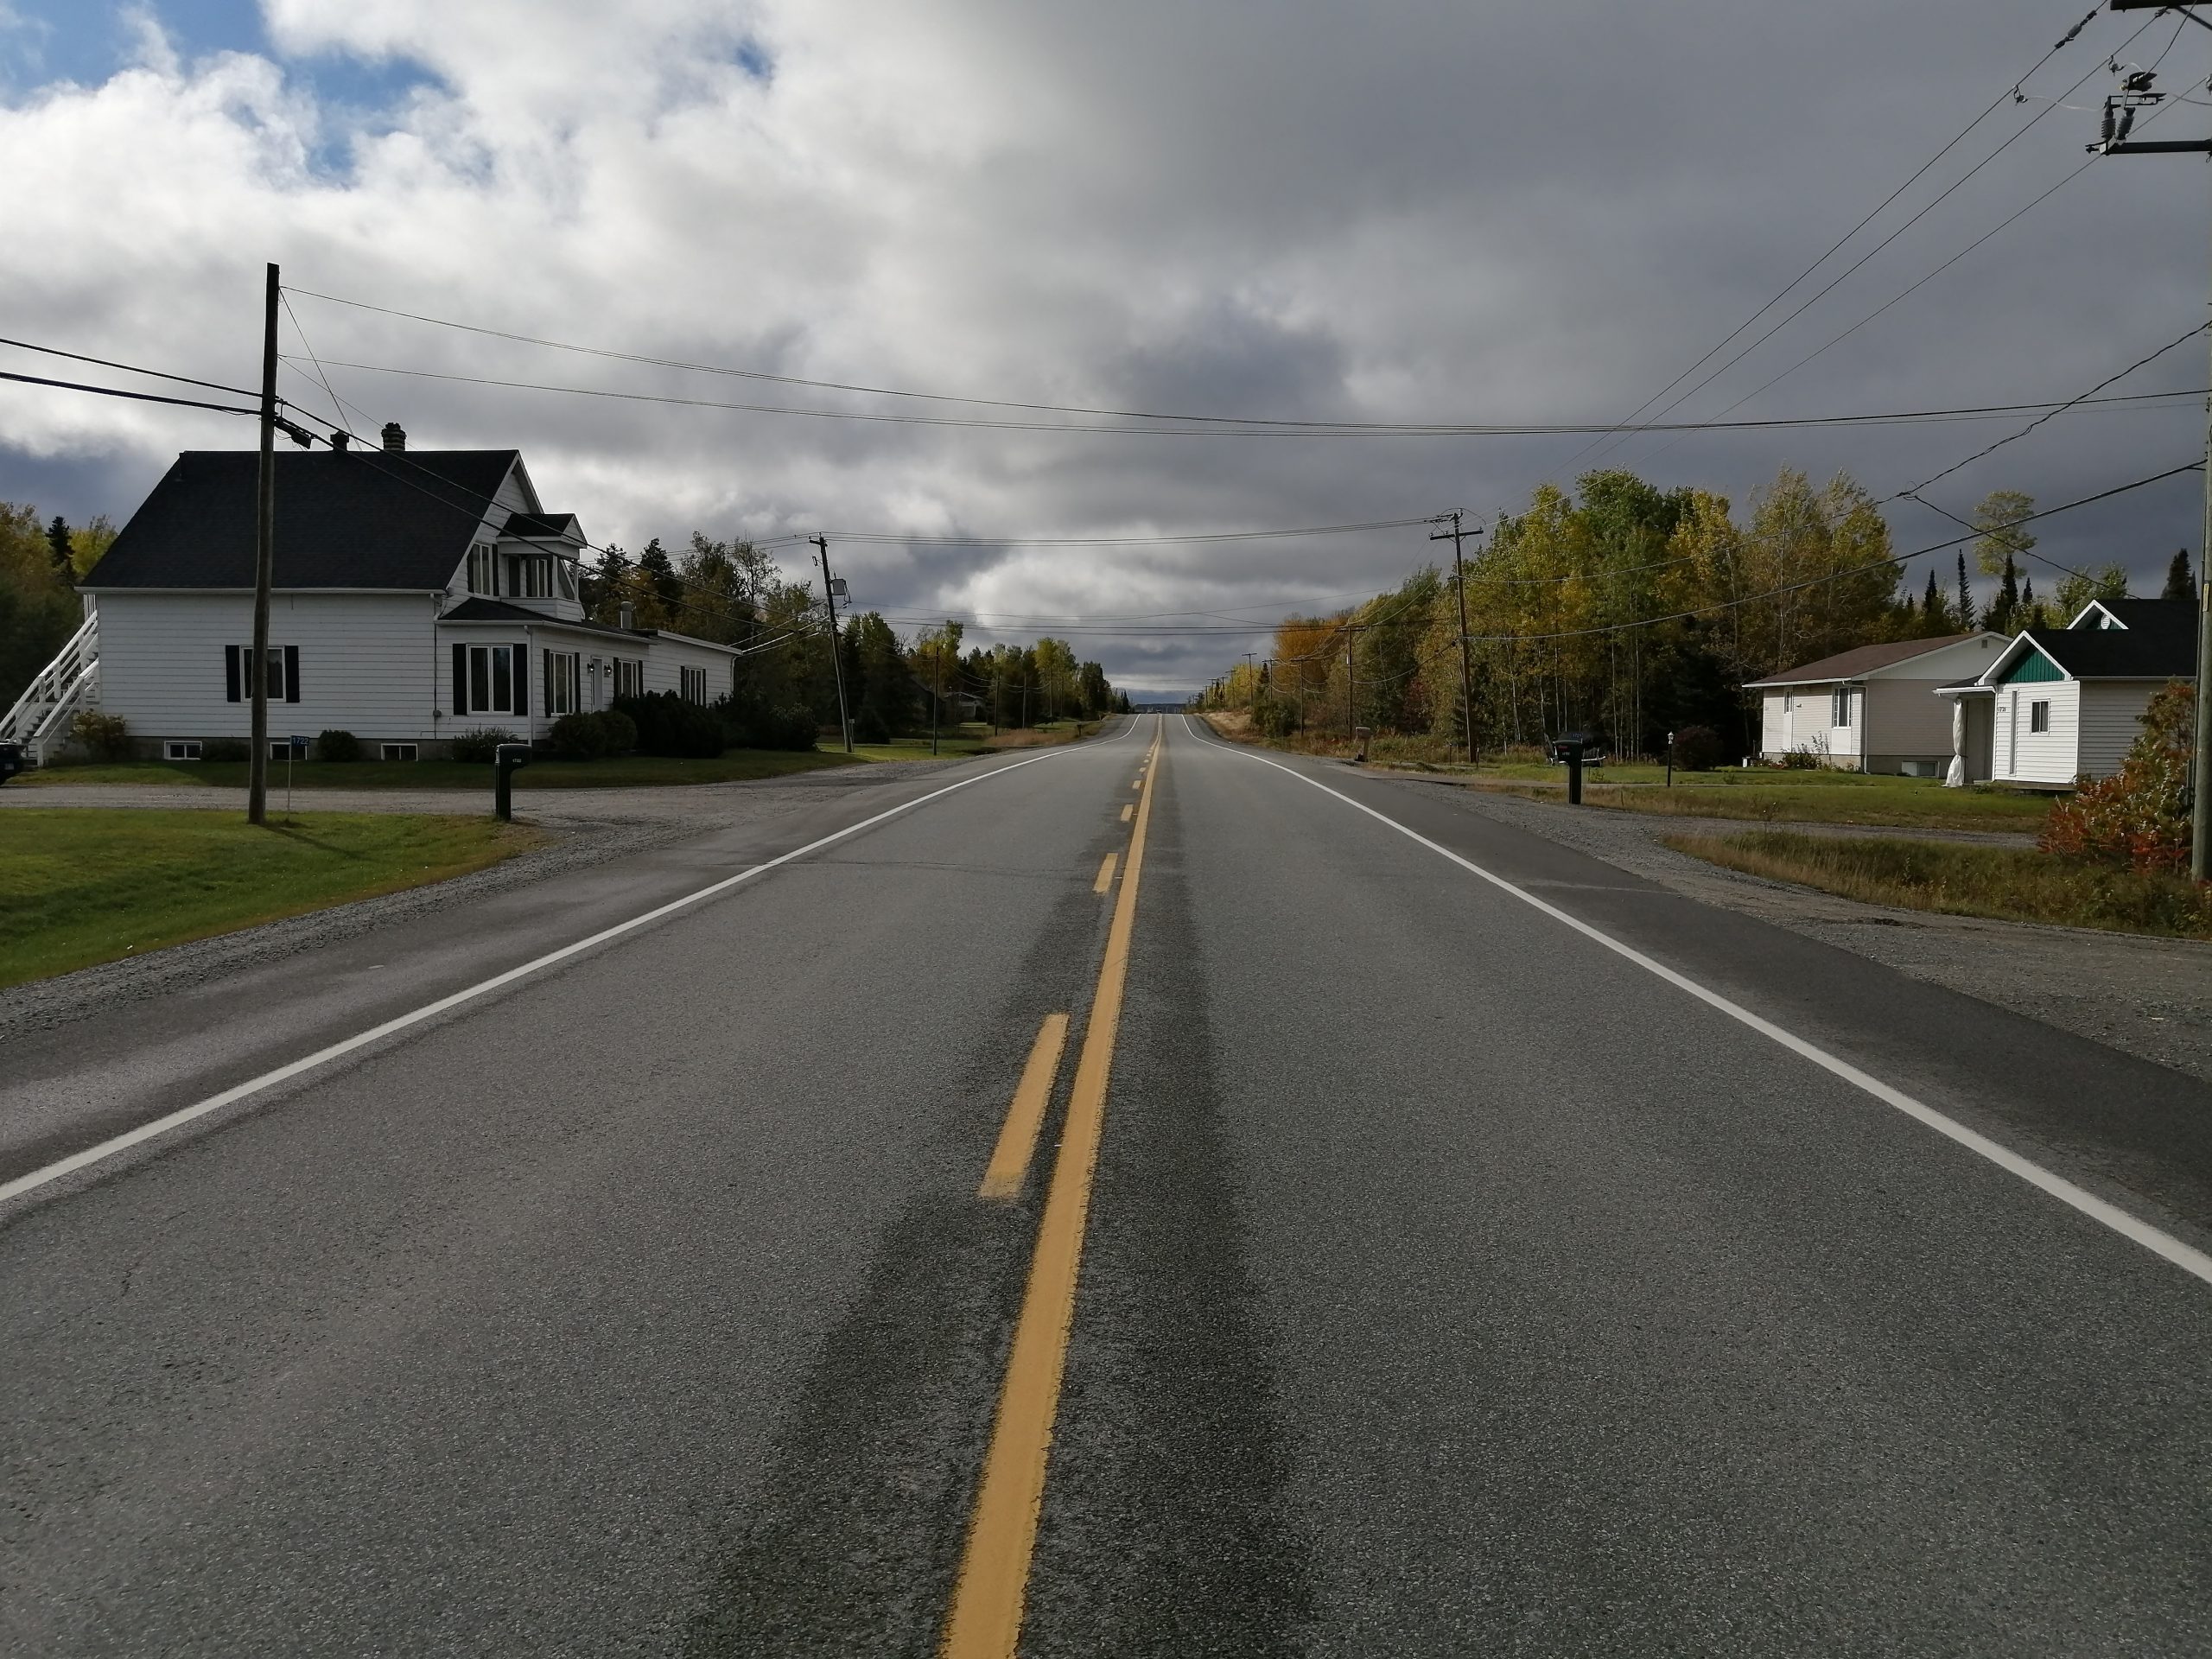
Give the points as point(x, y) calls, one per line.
point(355, 518)
point(2150, 648)
point(542, 525)
point(1849, 665)
point(494, 610)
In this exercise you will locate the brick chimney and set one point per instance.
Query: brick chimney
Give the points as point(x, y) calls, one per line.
point(395, 437)
point(340, 440)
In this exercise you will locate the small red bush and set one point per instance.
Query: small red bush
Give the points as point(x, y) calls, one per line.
point(2140, 816)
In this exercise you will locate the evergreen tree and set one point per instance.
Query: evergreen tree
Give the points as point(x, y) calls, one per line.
point(1966, 593)
point(2178, 582)
point(57, 541)
point(664, 586)
point(2003, 614)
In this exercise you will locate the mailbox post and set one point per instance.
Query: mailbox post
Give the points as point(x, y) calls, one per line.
point(506, 761)
point(1573, 752)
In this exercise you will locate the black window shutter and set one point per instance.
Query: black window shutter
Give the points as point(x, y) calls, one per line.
point(232, 686)
point(549, 682)
point(522, 679)
point(292, 673)
point(461, 679)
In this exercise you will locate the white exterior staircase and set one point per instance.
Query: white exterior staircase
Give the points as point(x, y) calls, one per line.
point(41, 718)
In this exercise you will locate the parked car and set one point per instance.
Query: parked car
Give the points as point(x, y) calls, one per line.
point(1593, 752)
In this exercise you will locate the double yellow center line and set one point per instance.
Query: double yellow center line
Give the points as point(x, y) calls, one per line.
point(985, 1620)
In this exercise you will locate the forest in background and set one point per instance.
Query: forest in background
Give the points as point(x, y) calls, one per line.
point(1629, 612)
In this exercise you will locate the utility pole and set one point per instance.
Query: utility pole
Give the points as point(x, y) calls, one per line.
point(1252, 674)
point(264, 562)
point(1352, 668)
point(1456, 536)
point(836, 656)
point(2119, 117)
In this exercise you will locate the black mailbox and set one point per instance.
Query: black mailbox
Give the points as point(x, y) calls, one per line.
point(506, 761)
point(11, 760)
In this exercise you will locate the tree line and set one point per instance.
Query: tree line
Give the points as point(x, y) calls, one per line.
point(41, 561)
point(731, 593)
point(1629, 611)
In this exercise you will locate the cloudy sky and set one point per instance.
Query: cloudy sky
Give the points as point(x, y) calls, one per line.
point(1457, 212)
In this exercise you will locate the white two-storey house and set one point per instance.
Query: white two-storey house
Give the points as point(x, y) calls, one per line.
point(416, 596)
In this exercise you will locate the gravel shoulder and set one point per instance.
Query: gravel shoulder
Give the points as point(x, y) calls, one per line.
point(586, 827)
point(2150, 998)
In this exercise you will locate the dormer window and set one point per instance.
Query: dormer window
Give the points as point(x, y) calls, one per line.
point(483, 570)
point(530, 576)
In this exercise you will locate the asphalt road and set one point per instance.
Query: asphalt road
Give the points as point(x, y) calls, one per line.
point(1455, 1278)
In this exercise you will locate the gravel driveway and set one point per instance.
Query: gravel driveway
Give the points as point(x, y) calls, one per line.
point(2151, 998)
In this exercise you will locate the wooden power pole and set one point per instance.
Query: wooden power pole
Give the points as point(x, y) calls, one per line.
point(265, 562)
point(836, 656)
point(2119, 117)
point(1456, 536)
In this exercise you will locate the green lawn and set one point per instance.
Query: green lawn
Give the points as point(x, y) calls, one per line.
point(614, 773)
point(2008, 883)
point(79, 886)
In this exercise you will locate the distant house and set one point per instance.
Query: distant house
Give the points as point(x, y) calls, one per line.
point(1868, 709)
point(2061, 704)
point(416, 596)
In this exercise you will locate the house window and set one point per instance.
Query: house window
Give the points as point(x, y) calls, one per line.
point(2039, 717)
point(563, 687)
point(1789, 703)
point(695, 684)
point(284, 665)
point(173, 750)
point(483, 570)
point(629, 677)
point(399, 752)
point(493, 681)
point(530, 576)
point(1840, 713)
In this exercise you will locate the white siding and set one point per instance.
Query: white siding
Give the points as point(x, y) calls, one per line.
point(2026, 757)
point(1905, 719)
point(366, 662)
point(511, 497)
point(2112, 719)
point(1774, 724)
point(669, 653)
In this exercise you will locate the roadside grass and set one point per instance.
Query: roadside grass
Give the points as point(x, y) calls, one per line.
point(79, 886)
point(1755, 795)
point(1876, 803)
point(614, 771)
point(2007, 884)
point(973, 738)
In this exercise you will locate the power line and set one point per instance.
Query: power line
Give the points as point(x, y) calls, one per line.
point(117, 391)
point(1835, 247)
point(2025, 128)
point(130, 368)
point(1255, 430)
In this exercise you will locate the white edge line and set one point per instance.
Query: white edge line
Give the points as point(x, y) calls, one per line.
point(160, 1126)
point(2186, 1258)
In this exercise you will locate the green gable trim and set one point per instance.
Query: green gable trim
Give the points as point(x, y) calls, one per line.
point(2033, 666)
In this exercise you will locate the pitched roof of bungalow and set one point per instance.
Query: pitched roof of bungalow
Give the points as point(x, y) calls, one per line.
point(359, 518)
point(1859, 662)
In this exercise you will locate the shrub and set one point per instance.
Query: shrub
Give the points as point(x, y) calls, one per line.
point(577, 737)
point(1697, 749)
point(1801, 760)
point(106, 736)
point(869, 727)
point(620, 731)
point(749, 722)
point(337, 745)
point(231, 749)
point(667, 725)
point(479, 747)
point(2138, 817)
